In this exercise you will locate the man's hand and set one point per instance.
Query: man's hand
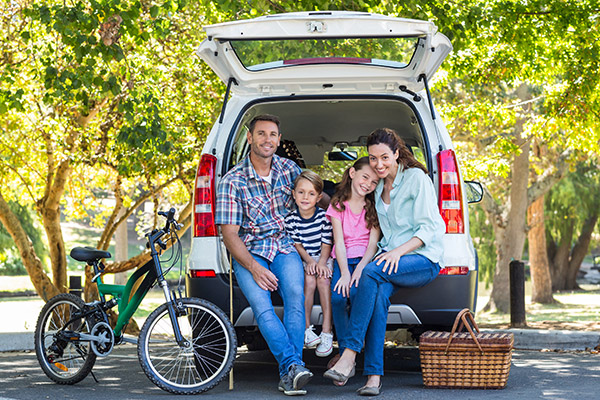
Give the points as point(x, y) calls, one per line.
point(264, 278)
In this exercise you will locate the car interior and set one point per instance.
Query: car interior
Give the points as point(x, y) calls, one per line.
point(327, 135)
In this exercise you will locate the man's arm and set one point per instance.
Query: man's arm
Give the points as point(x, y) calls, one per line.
point(264, 278)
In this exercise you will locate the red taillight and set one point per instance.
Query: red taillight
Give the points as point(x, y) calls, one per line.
point(454, 271)
point(202, 273)
point(451, 204)
point(204, 197)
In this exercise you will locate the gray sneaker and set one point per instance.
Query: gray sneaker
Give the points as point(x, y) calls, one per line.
point(299, 376)
point(286, 385)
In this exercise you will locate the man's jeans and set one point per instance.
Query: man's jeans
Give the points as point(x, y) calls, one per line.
point(285, 339)
point(340, 305)
point(370, 305)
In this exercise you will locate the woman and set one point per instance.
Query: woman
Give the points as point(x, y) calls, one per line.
point(411, 249)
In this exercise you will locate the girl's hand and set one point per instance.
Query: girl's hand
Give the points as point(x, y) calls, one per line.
point(343, 285)
point(322, 271)
point(311, 267)
point(356, 276)
point(390, 260)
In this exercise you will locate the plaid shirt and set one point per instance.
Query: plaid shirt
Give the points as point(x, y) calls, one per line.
point(247, 200)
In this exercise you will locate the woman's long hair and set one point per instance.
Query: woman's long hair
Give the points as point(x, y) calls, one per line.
point(343, 191)
point(390, 138)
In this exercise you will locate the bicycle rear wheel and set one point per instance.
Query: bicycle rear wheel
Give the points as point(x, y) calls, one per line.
point(191, 370)
point(63, 359)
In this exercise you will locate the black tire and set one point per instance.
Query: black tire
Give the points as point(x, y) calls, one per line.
point(194, 370)
point(63, 362)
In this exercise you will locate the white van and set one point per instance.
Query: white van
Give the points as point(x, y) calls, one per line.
point(332, 78)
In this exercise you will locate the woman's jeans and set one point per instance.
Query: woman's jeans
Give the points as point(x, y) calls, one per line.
point(285, 340)
point(340, 306)
point(370, 305)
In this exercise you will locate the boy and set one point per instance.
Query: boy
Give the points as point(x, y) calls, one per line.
point(311, 232)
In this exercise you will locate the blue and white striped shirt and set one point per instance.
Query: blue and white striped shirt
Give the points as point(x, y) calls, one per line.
point(310, 233)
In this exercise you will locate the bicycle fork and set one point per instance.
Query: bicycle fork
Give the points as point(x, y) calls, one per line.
point(175, 309)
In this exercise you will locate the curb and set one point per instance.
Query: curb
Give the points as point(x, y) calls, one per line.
point(525, 339)
point(16, 341)
point(543, 339)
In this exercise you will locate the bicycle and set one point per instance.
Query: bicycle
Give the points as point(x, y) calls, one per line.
point(186, 345)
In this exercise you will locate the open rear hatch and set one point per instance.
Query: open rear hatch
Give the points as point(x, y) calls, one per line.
point(313, 52)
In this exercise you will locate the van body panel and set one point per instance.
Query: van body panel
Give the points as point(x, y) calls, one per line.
point(339, 74)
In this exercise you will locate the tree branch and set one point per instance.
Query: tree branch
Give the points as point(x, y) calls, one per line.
point(549, 178)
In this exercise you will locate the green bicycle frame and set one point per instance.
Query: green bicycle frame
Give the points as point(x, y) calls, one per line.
point(129, 303)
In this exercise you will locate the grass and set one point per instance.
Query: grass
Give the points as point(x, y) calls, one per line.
point(579, 310)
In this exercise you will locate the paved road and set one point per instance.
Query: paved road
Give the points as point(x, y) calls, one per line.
point(533, 375)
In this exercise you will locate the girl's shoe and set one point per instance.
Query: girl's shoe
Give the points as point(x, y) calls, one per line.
point(326, 346)
point(311, 340)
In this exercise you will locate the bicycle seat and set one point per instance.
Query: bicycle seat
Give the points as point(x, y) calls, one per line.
point(88, 254)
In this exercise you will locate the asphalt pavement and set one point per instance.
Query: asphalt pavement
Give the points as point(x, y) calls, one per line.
point(533, 375)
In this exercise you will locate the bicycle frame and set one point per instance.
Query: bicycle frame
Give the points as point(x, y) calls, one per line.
point(128, 302)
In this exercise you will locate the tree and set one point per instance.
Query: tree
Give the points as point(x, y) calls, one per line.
point(520, 72)
point(572, 210)
point(96, 96)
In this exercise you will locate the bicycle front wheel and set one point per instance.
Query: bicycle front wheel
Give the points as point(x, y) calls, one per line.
point(194, 369)
point(63, 357)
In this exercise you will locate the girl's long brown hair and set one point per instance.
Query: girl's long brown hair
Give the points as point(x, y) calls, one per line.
point(390, 138)
point(343, 191)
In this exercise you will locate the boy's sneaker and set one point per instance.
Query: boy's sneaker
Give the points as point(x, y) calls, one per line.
point(311, 340)
point(286, 386)
point(326, 346)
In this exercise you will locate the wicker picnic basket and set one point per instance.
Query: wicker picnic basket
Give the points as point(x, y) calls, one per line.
point(470, 359)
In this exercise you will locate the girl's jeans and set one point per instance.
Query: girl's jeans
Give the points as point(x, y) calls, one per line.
point(340, 306)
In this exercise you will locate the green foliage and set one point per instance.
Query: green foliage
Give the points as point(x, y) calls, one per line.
point(482, 233)
point(573, 200)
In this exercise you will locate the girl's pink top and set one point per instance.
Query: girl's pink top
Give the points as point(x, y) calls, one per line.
point(356, 233)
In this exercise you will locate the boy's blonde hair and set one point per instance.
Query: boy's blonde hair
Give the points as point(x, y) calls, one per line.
point(312, 177)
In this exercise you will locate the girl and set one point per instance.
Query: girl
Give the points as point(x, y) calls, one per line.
point(412, 249)
point(355, 233)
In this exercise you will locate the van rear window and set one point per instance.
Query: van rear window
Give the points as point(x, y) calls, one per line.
point(258, 55)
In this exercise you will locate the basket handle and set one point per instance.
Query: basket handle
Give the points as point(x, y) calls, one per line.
point(462, 316)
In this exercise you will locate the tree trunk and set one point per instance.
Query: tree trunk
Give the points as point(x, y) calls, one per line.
point(579, 251)
point(561, 258)
point(510, 245)
point(538, 256)
point(31, 262)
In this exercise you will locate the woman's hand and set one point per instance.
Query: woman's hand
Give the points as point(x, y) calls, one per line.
point(342, 286)
point(390, 260)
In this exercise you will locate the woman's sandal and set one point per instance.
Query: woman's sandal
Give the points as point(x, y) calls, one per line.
point(369, 390)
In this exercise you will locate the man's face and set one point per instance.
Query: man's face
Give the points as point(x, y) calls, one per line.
point(264, 140)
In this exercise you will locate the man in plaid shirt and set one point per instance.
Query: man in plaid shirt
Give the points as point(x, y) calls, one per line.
point(253, 199)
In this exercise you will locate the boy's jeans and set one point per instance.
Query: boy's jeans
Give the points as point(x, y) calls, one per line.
point(285, 340)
